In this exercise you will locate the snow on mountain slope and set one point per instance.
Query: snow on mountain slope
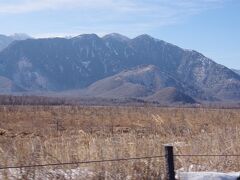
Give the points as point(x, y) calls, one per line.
point(236, 71)
point(6, 40)
point(146, 82)
point(60, 64)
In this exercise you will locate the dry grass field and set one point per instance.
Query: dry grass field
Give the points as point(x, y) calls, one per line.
point(55, 134)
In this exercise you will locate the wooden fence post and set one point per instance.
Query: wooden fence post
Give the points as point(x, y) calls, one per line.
point(169, 162)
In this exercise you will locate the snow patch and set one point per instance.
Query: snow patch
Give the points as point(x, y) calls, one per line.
point(45, 173)
point(40, 80)
point(205, 61)
point(115, 52)
point(24, 63)
point(141, 70)
point(200, 73)
point(85, 64)
point(208, 176)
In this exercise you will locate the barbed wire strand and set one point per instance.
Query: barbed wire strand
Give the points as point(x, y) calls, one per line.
point(121, 159)
point(80, 162)
point(207, 155)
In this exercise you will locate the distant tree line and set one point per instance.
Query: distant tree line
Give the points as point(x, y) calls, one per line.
point(30, 100)
point(54, 101)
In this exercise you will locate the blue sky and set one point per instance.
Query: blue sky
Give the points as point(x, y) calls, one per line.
point(211, 27)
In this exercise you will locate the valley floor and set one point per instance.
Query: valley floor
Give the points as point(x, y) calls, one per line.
point(31, 135)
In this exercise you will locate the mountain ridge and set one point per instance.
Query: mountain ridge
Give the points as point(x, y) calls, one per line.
point(44, 64)
point(141, 82)
point(7, 40)
point(236, 71)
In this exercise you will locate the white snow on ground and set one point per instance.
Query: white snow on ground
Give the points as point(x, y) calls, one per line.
point(208, 176)
point(47, 174)
point(82, 173)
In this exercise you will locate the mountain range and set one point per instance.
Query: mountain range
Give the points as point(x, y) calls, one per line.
point(6, 40)
point(115, 66)
point(236, 71)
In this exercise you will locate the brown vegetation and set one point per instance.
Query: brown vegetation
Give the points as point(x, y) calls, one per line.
point(53, 134)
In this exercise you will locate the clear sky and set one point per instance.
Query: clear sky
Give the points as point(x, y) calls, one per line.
point(211, 27)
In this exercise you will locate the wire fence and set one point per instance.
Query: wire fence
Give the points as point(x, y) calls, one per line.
point(119, 159)
point(207, 155)
point(81, 162)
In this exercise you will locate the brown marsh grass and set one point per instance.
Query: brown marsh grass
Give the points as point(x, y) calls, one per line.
point(55, 134)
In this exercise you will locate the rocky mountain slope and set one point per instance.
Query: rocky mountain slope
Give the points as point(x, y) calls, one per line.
point(113, 66)
point(147, 82)
point(6, 40)
point(7, 85)
point(170, 95)
point(236, 71)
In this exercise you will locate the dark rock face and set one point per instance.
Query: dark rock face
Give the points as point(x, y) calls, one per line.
point(60, 64)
